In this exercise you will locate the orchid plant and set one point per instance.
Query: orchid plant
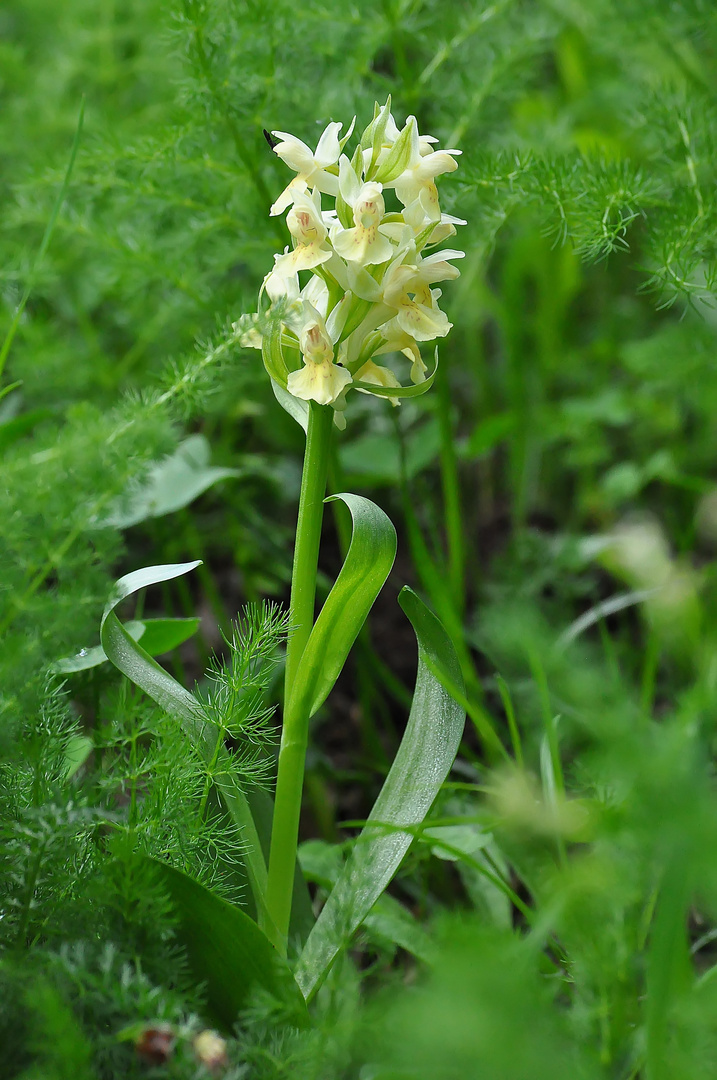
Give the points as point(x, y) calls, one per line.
point(355, 285)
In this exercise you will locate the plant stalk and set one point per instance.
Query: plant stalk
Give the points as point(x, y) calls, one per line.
point(294, 735)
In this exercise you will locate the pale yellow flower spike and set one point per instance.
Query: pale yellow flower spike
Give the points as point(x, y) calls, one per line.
point(356, 283)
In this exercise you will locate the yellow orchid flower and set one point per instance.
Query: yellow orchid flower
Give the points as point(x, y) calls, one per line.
point(365, 243)
point(307, 227)
point(369, 288)
point(310, 165)
point(397, 340)
point(320, 379)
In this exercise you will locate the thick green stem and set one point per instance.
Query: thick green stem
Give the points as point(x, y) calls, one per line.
point(294, 736)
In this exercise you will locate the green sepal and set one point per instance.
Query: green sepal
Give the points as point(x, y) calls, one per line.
point(271, 352)
point(415, 390)
point(378, 135)
point(399, 155)
point(367, 136)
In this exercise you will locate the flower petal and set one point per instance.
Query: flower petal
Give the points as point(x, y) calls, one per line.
point(328, 150)
point(318, 382)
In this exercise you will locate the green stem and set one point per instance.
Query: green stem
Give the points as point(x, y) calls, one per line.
point(453, 515)
point(308, 535)
point(294, 736)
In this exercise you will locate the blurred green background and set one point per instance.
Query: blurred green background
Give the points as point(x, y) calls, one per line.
point(555, 495)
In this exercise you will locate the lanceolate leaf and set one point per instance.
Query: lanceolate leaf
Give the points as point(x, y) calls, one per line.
point(132, 660)
point(157, 636)
point(368, 562)
point(226, 950)
point(162, 635)
point(422, 763)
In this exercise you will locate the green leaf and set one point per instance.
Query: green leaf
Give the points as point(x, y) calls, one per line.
point(172, 484)
point(10, 388)
point(162, 635)
point(13, 429)
point(226, 950)
point(77, 750)
point(388, 922)
point(132, 660)
point(92, 658)
point(453, 841)
point(487, 434)
point(302, 912)
point(376, 459)
point(423, 761)
point(399, 155)
point(157, 636)
point(368, 562)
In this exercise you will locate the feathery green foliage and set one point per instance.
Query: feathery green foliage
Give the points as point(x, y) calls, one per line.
point(554, 499)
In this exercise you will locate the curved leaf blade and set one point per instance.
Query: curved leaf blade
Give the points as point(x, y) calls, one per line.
point(367, 565)
point(226, 950)
point(157, 636)
point(272, 354)
point(132, 660)
point(423, 761)
point(163, 635)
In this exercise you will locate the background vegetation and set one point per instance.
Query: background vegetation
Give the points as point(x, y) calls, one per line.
point(554, 496)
